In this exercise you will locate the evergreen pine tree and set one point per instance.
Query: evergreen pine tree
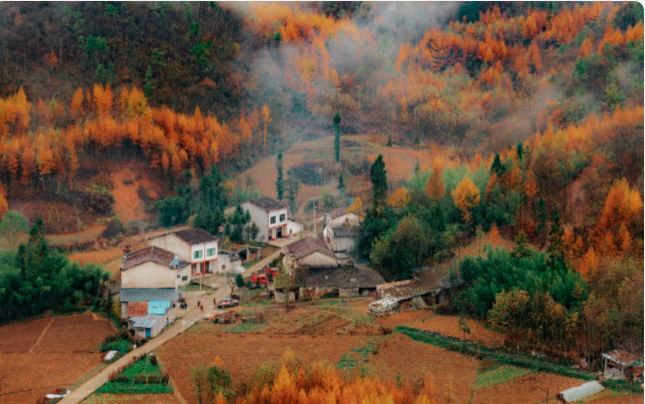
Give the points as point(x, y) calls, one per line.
point(378, 175)
point(341, 182)
point(521, 249)
point(148, 86)
point(389, 141)
point(541, 216)
point(556, 242)
point(279, 185)
point(337, 138)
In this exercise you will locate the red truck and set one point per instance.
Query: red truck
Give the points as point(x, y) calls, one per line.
point(263, 276)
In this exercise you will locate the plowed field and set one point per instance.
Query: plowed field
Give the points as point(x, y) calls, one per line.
point(40, 356)
point(449, 326)
point(75, 334)
point(402, 318)
point(529, 389)
point(20, 337)
point(413, 359)
point(245, 352)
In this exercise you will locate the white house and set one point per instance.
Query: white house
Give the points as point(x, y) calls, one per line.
point(341, 229)
point(149, 268)
point(309, 252)
point(270, 216)
point(338, 217)
point(196, 246)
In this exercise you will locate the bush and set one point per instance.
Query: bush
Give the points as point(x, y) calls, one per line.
point(114, 228)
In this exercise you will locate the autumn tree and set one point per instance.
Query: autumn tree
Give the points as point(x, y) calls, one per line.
point(266, 119)
point(466, 197)
point(435, 188)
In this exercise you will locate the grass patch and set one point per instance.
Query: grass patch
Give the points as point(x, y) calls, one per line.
point(121, 345)
point(242, 328)
point(500, 375)
point(142, 367)
point(356, 355)
point(194, 287)
point(134, 388)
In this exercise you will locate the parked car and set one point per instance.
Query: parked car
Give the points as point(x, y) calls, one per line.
point(226, 302)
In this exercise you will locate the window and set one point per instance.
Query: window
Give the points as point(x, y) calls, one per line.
point(184, 278)
point(223, 266)
point(283, 217)
point(211, 252)
point(272, 219)
point(198, 254)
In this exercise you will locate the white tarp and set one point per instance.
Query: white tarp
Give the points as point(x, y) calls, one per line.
point(57, 395)
point(109, 356)
point(586, 390)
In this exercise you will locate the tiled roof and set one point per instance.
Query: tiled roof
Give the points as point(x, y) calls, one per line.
point(152, 253)
point(342, 277)
point(145, 295)
point(191, 236)
point(427, 281)
point(336, 212)
point(267, 204)
point(622, 357)
point(308, 245)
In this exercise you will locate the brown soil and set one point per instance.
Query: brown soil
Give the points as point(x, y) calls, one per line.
point(413, 360)
point(75, 334)
point(311, 321)
point(20, 337)
point(27, 373)
point(611, 397)
point(529, 389)
point(127, 202)
point(402, 318)
point(449, 325)
point(245, 352)
point(132, 399)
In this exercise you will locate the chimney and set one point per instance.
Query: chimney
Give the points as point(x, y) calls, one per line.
point(126, 253)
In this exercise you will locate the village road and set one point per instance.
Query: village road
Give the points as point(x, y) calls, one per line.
point(188, 318)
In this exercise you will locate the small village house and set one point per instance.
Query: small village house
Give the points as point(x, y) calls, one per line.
point(341, 230)
point(196, 246)
point(341, 281)
point(148, 292)
point(309, 252)
point(148, 311)
point(270, 216)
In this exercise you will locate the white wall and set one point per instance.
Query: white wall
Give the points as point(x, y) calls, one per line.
point(151, 275)
point(260, 218)
point(344, 244)
point(173, 244)
point(294, 228)
point(203, 248)
point(232, 266)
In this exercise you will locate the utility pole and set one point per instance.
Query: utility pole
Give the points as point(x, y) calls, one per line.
point(314, 220)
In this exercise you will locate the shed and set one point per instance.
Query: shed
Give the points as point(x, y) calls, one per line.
point(147, 326)
point(616, 362)
point(347, 281)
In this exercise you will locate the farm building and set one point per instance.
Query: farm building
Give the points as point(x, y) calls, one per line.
point(196, 246)
point(270, 216)
point(150, 268)
point(431, 286)
point(343, 281)
point(294, 227)
point(309, 252)
point(616, 364)
point(148, 310)
point(341, 238)
point(230, 261)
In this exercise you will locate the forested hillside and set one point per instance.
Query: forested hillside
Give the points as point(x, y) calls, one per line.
point(197, 85)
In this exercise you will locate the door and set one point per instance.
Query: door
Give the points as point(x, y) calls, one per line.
point(279, 232)
point(147, 332)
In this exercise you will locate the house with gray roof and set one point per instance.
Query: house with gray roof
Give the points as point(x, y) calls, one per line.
point(309, 252)
point(195, 246)
point(270, 216)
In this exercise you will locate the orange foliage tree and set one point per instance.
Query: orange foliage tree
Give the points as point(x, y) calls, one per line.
point(466, 197)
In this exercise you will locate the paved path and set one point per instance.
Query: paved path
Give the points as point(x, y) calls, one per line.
point(188, 318)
